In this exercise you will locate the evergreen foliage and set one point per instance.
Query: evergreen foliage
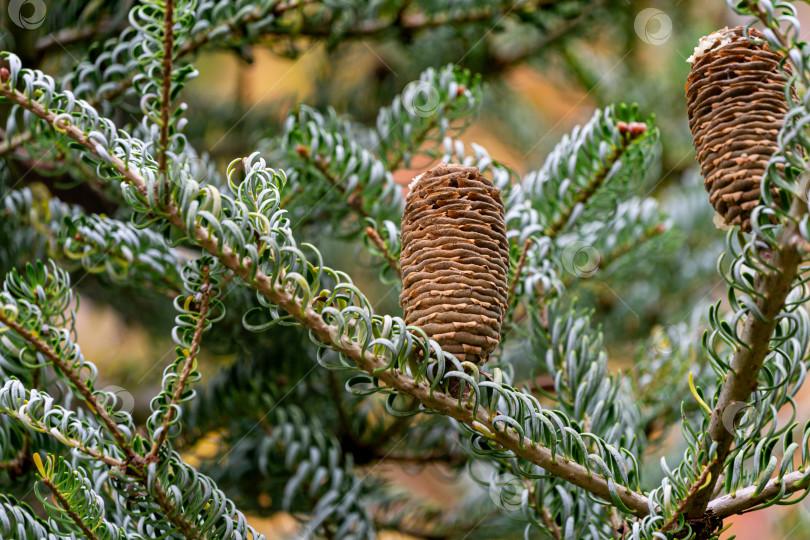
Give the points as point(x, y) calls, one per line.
point(323, 385)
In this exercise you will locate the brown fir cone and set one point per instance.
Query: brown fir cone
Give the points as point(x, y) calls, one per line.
point(736, 105)
point(455, 260)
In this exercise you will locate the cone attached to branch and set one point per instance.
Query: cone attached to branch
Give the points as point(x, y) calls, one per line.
point(455, 260)
point(736, 105)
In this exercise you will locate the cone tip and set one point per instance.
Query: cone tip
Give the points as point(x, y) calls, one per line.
point(718, 38)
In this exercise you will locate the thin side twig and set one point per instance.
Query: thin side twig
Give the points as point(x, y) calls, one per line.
point(66, 508)
point(746, 498)
point(166, 87)
point(375, 237)
point(583, 196)
point(181, 383)
point(518, 270)
point(100, 411)
point(354, 200)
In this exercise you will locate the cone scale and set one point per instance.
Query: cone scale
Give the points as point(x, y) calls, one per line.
point(455, 260)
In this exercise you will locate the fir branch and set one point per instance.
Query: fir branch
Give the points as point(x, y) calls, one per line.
point(166, 86)
point(187, 367)
point(749, 497)
point(630, 132)
point(134, 462)
point(417, 140)
point(18, 520)
point(354, 200)
point(550, 524)
point(177, 518)
point(67, 509)
point(621, 250)
point(99, 410)
point(416, 21)
point(772, 288)
point(435, 400)
point(204, 37)
point(308, 317)
point(72, 443)
point(68, 36)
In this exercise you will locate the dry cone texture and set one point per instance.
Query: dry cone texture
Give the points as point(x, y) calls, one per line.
point(455, 260)
point(736, 104)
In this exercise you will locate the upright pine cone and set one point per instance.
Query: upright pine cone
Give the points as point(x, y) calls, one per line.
point(736, 105)
point(455, 260)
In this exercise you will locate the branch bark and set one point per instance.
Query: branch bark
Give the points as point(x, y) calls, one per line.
point(166, 87)
point(374, 236)
point(772, 289)
point(745, 499)
point(66, 508)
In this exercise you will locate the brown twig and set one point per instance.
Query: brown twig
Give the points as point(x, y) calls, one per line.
point(177, 518)
point(354, 200)
point(745, 499)
point(630, 133)
point(134, 461)
point(369, 28)
point(88, 396)
point(545, 516)
point(772, 287)
point(73, 443)
point(69, 36)
point(166, 87)
point(190, 359)
point(375, 237)
point(518, 270)
point(66, 508)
